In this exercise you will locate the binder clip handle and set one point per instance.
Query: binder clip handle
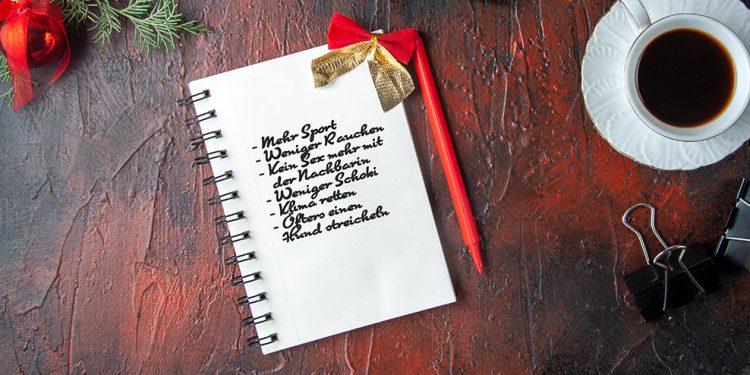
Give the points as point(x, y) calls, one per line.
point(667, 267)
point(667, 253)
point(652, 225)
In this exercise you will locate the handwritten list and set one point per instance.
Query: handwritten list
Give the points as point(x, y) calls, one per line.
point(316, 174)
point(334, 226)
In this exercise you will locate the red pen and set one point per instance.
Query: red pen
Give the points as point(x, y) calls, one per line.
point(447, 155)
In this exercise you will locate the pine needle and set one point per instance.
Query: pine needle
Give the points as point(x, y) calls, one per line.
point(7, 95)
point(106, 22)
point(4, 70)
point(75, 12)
point(158, 23)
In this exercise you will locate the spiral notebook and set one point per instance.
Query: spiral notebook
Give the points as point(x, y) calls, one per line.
point(323, 200)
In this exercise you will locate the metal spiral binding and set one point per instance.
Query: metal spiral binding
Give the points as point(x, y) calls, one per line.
point(249, 300)
point(262, 341)
point(199, 118)
point(237, 259)
point(197, 141)
point(205, 159)
point(225, 240)
point(194, 144)
point(214, 179)
point(246, 279)
point(257, 320)
point(193, 98)
point(223, 219)
point(223, 197)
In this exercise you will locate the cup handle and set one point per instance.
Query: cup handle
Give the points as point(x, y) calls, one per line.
point(637, 14)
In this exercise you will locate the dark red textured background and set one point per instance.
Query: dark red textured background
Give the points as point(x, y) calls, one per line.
point(108, 256)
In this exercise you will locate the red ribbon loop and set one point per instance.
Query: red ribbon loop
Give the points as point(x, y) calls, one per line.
point(16, 15)
point(344, 31)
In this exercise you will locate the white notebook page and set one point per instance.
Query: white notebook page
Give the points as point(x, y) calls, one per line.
point(339, 247)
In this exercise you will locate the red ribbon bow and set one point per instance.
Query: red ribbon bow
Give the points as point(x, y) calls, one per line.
point(16, 15)
point(344, 31)
point(351, 45)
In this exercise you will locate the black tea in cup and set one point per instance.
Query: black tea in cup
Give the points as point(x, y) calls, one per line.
point(686, 78)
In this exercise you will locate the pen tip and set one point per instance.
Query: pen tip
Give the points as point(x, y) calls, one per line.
point(475, 252)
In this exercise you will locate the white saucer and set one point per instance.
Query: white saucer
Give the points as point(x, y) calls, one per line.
point(603, 85)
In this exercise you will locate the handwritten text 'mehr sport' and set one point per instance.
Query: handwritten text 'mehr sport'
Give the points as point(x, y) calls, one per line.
point(314, 167)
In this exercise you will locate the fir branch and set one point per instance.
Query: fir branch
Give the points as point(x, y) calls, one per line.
point(4, 70)
point(75, 12)
point(5, 79)
point(107, 21)
point(158, 23)
point(7, 98)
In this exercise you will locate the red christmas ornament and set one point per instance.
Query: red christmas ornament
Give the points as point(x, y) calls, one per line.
point(46, 41)
point(32, 35)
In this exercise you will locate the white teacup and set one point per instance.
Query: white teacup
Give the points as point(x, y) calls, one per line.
point(641, 22)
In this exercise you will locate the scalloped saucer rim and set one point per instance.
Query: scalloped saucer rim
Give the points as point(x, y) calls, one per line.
point(603, 88)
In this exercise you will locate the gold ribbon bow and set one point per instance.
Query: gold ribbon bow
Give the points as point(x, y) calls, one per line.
point(392, 81)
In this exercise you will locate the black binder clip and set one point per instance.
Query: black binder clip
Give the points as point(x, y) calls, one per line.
point(734, 244)
point(670, 279)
